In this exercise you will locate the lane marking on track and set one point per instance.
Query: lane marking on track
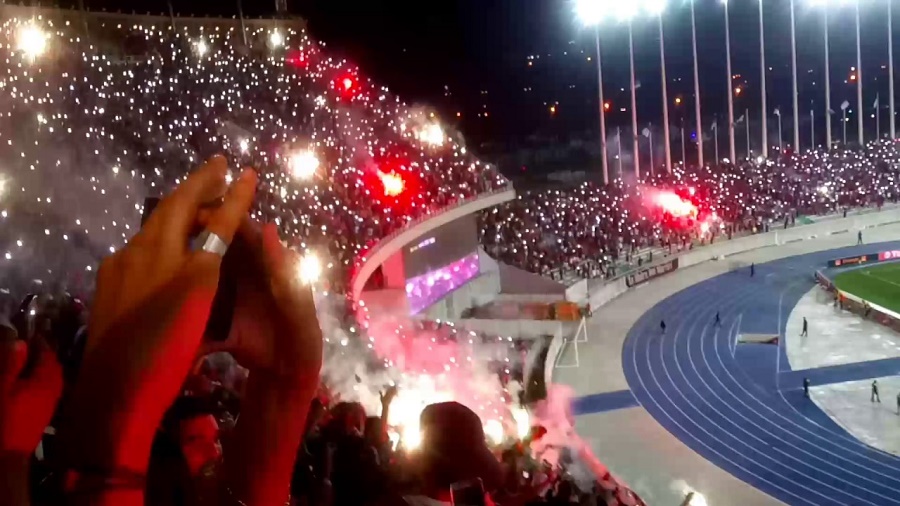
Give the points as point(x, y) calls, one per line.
point(857, 444)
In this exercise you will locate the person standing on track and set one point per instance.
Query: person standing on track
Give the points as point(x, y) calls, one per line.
point(898, 404)
point(662, 327)
point(752, 270)
point(805, 332)
point(875, 392)
point(806, 390)
point(859, 238)
point(718, 322)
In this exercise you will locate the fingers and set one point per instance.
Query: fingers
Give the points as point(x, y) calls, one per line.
point(225, 221)
point(177, 213)
point(295, 301)
point(273, 253)
point(106, 300)
point(13, 354)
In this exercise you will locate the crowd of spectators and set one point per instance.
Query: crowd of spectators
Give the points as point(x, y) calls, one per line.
point(340, 164)
point(111, 109)
point(602, 226)
point(96, 125)
point(142, 412)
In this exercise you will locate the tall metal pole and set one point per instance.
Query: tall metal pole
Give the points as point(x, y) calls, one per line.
point(859, 81)
point(240, 7)
point(812, 127)
point(747, 129)
point(697, 91)
point(665, 96)
point(828, 111)
point(683, 152)
point(603, 157)
point(763, 74)
point(619, 147)
point(168, 4)
point(780, 135)
point(844, 122)
point(716, 140)
point(731, 150)
point(877, 118)
point(794, 69)
point(650, 141)
point(634, 125)
point(891, 65)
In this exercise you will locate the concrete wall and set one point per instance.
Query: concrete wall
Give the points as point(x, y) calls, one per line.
point(520, 282)
point(476, 292)
point(520, 329)
point(394, 272)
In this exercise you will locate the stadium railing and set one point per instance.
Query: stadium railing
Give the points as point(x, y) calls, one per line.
point(602, 293)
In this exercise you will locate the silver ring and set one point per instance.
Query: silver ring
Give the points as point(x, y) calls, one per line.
point(212, 243)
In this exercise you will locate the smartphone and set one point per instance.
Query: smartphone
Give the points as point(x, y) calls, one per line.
point(467, 493)
point(222, 312)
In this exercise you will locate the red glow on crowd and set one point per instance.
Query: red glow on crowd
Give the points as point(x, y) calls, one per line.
point(347, 85)
point(297, 59)
point(393, 183)
point(675, 205)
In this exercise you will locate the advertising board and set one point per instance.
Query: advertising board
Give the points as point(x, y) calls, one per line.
point(646, 274)
point(854, 260)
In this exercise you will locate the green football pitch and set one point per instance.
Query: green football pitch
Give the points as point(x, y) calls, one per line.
point(879, 284)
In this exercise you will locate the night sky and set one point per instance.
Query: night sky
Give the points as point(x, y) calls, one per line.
point(471, 57)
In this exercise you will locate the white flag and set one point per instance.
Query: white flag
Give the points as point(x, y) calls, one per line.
point(875, 105)
point(777, 112)
point(714, 126)
point(637, 85)
point(830, 111)
point(739, 120)
point(646, 132)
point(845, 105)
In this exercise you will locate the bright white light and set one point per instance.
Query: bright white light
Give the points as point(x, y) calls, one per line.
point(697, 499)
point(309, 269)
point(202, 48)
point(304, 164)
point(244, 144)
point(823, 190)
point(432, 134)
point(32, 41)
point(276, 39)
point(2, 188)
point(590, 12)
point(760, 160)
point(523, 422)
point(493, 429)
point(655, 7)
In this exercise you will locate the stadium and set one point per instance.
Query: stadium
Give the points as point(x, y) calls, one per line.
point(693, 333)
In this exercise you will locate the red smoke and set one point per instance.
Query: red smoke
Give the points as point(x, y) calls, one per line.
point(672, 204)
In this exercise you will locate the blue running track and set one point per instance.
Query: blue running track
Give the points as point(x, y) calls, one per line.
point(737, 404)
